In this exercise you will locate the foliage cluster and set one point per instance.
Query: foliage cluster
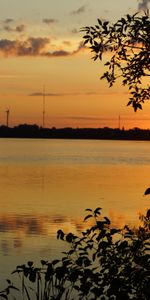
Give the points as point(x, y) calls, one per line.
point(102, 263)
point(128, 43)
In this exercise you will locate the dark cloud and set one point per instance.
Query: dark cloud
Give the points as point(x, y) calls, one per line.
point(74, 31)
point(79, 10)
point(8, 20)
point(61, 52)
point(49, 21)
point(33, 47)
point(8, 28)
point(19, 28)
point(58, 53)
point(37, 94)
point(143, 5)
point(67, 43)
point(29, 47)
point(90, 118)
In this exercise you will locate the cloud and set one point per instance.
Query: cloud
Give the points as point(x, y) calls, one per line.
point(83, 118)
point(143, 5)
point(20, 28)
point(34, 47)
point(90, 118)
point(80, 10)
point(75, 31)
point(57, 53)
point(49, 21)
point(29, 47)
point(67, 43)
point(37, 94)
point(84, 93)
point(8, 20)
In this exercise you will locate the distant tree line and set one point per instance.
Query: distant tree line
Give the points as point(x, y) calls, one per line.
point(34, 131)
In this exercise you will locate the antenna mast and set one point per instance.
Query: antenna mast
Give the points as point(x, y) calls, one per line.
point(119, 119)
point(7, 117)
point(43, 106)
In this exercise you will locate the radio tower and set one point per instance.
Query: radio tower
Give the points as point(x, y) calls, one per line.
point(43, 106)
point(7, 117)
point(119, 120)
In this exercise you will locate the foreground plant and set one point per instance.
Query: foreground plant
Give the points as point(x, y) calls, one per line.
point(125, 48)
point(102, 263)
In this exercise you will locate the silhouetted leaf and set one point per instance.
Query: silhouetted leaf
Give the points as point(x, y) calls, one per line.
point(87, 217)
point(60, 234)
point(55, 262)
point(148, 213)
point(129, 32)
point(88, 209)
point(44, 262)
point(97, 211)
point(13, 287)
point(30, 263)
point(147, 191)
point(114, 230)
point(107, 220)
point(3, 296)
point(69, 237)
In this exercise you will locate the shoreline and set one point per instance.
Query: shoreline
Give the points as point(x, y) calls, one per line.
point(106, 133)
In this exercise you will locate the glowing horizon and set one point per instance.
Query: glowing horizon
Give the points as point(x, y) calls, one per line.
point(42, 45)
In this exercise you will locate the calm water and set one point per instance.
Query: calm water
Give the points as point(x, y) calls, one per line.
point(47, 184)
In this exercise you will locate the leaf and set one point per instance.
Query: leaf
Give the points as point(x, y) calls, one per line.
point(148, 214)
point(13, 287)
point(43, 262)
point(95, 57)
point(87, 217)
point(97, 211)
point(60, 234)
point(76, 287)
point(123, 245)
point(32, 276)
point(56, 261)
point(3, 296)
point(147, 192)
point(100, 225)
point(69, 237)
point(99, 21)
point(30, 263)
point(85, 42)
point(88, 209)
point(129, 103)
point(107, 220)
point(114, 231)
point(86, 36)
point(129, 17)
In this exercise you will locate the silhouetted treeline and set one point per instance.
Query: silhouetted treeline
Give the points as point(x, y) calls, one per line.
point(34, 131)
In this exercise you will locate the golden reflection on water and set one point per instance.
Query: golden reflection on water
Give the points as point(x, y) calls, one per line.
point(68, 190)
point(40, 197)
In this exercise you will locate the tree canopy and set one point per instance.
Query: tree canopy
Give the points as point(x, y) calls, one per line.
point(128, 44)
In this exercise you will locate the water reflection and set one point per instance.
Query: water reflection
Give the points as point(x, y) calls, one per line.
point(22, 227)
point(47, 184)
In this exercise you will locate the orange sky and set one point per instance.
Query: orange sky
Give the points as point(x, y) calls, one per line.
point(41, 46)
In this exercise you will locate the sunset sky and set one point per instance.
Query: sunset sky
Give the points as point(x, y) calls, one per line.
point(40, 45)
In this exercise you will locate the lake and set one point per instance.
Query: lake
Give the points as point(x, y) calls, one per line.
point(47, 185)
